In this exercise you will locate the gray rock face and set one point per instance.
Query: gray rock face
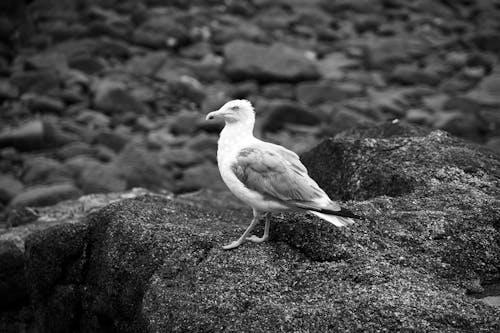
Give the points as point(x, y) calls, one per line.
point(278, 62)
point(156, 264)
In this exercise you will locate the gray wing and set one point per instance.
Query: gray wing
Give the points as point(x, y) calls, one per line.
point(278, 174)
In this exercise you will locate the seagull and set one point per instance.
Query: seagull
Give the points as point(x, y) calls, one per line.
point(266, 176)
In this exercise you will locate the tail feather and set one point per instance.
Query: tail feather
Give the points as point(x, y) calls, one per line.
point(338, 221)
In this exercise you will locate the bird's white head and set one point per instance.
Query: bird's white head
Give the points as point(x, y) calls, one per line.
point(235, 111)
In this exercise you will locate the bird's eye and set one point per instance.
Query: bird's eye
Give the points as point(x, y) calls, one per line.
point(235, 108)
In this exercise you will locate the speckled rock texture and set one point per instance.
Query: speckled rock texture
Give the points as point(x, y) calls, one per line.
point(153, 263)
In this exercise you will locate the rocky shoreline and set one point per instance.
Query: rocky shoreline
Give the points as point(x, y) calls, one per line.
point(139, 261)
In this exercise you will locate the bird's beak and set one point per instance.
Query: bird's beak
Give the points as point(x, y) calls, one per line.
point(214, 115)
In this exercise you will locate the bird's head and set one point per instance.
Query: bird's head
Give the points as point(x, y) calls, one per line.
point(238, 110)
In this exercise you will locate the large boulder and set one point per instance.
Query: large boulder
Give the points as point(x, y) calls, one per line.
point(430, 235)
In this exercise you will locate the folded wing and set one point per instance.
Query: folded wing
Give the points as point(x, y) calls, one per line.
point(277, 174)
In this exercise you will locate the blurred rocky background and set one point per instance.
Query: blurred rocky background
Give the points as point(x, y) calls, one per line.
point(100, 96)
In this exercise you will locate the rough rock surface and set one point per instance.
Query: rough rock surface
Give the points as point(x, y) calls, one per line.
point(153, 263)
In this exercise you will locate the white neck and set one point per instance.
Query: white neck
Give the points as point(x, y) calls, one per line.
point(234, 135)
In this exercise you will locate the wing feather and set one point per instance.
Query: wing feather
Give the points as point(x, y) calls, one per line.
point(278, 174)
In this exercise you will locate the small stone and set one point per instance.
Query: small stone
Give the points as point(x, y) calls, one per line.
point(41, 103)
point(278, 62)
point(280, 113)
point(386, 51)
point(21, 216)
point(45, 195)
point(27, 136)
point(141, 167)
point(93, 119)
point(180, 156)
point(101, 178)
point(204, 175)
point(9, 188)
point(413, 75)
point(327, 91)
point(334, 65)
point(38, 81)
point(75, 149)
point(7, 90)
point(112, 97)
point(420, 117)
point(87, 64)
point(184, 123)
point(487, 93)
point(44, 170)
point(112, 139)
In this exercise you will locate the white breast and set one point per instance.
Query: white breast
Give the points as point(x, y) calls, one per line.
point(228, 149)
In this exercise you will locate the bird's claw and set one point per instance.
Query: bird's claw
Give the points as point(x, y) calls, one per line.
point(256, 239)
point(231, 246)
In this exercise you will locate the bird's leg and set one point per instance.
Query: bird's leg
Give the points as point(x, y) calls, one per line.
point(243, 237)
point(264, 237)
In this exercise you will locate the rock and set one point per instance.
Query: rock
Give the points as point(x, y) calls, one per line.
point(277, 114)
point(466, 125)
point(187, 87)
point(20, 216)
point(200, 176)
point(9, 188)
point(180, 156)
point(43, 170)
point(278, 62)
point(358, 6)
point(35, 134)
point(87, 64)
point(93, 119)
point(160, 32)
point(37, 81)
point(141, 168)
point(112, 139)
point(41, 103)
point(413, 75)
point(431, 228)
point(45, 195)
point(487, 40)
point(386, 51)
point(112, 97)
point(326, 92)
point(79, 163)
point(13, 289)
point(75, 149)
point(334, 65)
point(101, 178)
point(487, 93)
point(345, 119)
point(7, 90)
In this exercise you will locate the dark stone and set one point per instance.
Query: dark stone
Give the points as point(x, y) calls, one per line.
point(36, 134)
point(112, 97)
point(112, 139)
point(45, 195)
point(20, 216)
point(37, 81)
point(44, 170)
point(278, 62)
point(101, 178)
point(278, 114)
point(141, 167)
point(9, 188)
point(327, 92)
